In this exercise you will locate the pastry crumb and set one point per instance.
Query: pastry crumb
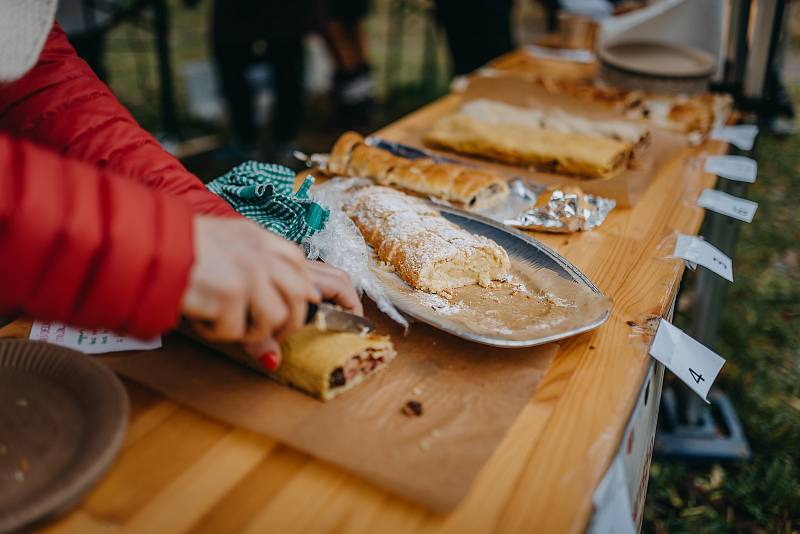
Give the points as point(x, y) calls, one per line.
point(412, 409)
point(417, 391)
point(425, 445)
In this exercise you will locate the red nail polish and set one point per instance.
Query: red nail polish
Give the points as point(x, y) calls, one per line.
point(270, 361)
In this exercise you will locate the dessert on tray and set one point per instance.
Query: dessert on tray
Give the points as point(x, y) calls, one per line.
point(426, 250)
point(461, 185)
point(553, 140)
point(694, 115)
point(326, 363)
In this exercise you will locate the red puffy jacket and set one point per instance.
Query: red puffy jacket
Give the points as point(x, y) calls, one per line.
point(95, 221)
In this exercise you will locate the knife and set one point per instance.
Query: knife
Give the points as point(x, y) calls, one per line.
point(327, 316)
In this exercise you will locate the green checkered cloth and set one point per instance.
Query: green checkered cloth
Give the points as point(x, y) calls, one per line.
point(264, 193)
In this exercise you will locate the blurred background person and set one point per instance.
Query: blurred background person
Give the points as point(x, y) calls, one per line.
point(477, 31)
point(245, 32)
point(353, 84)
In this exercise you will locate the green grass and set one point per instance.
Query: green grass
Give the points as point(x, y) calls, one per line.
point(760, 337)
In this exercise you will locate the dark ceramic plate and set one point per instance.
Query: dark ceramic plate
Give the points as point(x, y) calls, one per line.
point(62, 421)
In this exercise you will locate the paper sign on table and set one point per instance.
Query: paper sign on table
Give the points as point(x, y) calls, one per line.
point(692, 362)
point(696, 251)
point(732, 206)
point(612, 504)
point(738, 168)
point(88, 340)
point(742, 136)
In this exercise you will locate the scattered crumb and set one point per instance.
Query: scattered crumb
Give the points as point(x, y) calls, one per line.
point(417, 391)
point(630, 323)
point(566, 242)
point(591, 347)
point(19, 476)
point(412, 409)
point(435, 433)
point(425, 445)
point(22, 403)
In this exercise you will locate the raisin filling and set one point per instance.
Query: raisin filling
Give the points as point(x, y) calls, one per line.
point(361, 364)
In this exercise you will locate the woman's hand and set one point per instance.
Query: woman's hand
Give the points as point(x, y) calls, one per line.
point(246, 284)
point(251, 286)
point(335, 285)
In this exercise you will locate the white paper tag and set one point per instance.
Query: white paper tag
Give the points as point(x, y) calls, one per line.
point(87, 340)
point(742, 136)
point(695, 250)
point(692, 362)
point(738, 168)
point(732, 206)
point(561, 54)
point(612, 504)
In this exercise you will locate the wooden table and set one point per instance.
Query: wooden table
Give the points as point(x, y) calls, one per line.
point(182, 471)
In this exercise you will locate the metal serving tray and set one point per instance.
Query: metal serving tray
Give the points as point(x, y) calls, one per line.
point(547, 298)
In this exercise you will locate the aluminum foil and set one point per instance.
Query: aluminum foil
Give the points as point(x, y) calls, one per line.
point(559, 209)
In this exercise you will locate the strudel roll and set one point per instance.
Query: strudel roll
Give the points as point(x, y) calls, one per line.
point(426, 250)
point(320, 362)
point(554, 139)
point(570, 153)
point(457, 184)
point(325, 363)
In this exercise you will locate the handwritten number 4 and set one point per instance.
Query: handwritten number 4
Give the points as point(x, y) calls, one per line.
point(697, 376)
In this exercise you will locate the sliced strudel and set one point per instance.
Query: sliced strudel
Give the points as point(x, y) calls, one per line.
point(325, 363)
point(426, 250)
point(553, 140)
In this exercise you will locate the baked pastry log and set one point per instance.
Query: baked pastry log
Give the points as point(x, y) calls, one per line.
point(426, 250)
point(458, 184)
point(326, 364)
point(339, 157)
point(590, 156)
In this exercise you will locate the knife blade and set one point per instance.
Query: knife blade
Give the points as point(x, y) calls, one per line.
point(327, 316)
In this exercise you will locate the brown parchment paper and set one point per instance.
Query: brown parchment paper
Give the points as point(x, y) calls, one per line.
point(471, 394)
point(626, 188)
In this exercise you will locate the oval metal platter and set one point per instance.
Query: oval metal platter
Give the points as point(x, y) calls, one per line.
point(546, 299)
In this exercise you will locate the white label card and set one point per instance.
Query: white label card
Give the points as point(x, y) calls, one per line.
point(612, 504)
point(692, 362)
point(694, 250)
point(742, 136)
point(561, 54)
point(732, 206)
point(738, 168)
point(88, 340)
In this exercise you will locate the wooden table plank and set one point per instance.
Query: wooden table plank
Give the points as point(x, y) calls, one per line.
point(181, 471)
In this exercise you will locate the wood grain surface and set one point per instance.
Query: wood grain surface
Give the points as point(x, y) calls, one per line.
point(180, 471)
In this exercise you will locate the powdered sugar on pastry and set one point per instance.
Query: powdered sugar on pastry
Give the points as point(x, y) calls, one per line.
point(426, 250)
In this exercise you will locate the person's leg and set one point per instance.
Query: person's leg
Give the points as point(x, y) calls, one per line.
point(232, 61)
point(343, 33)
point(477, 30)
point(353, 86)
point(287, 57)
